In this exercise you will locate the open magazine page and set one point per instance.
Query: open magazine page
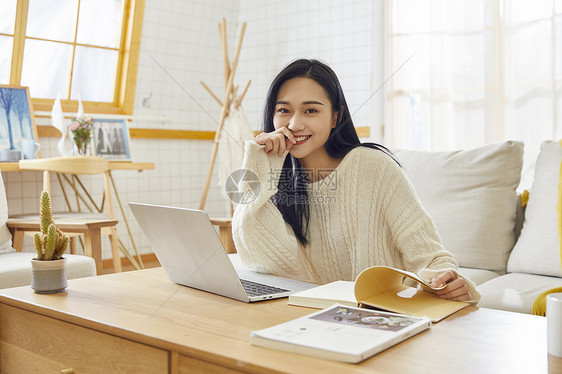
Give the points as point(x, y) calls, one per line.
point(383, 287)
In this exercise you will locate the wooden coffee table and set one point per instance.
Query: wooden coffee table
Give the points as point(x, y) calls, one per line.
point(141, 322)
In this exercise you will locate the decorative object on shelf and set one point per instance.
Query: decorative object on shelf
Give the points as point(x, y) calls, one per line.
point(16, 121)
point(111, 139)
point(10, 156)
point(48, 270)
point(29, 149)
point(81, 128)
point(64, 145)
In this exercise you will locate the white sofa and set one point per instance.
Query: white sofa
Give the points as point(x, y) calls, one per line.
point(15, 268)
point(512, 254)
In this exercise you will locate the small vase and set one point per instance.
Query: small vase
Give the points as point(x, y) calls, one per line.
point(82, 146)
point(48, 276)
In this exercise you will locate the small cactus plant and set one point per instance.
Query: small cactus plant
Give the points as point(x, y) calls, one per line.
point(51, 243)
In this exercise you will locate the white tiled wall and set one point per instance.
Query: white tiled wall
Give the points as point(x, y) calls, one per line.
point(180, 47)
point(342, 33)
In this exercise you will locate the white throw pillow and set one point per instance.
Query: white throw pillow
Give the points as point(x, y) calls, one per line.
point(5, 235)
point(470, 195)
point(538, 250)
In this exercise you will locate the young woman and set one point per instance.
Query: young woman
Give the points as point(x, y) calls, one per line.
point(330, 206)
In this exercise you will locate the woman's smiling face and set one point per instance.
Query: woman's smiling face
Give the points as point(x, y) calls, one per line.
point(304, 108)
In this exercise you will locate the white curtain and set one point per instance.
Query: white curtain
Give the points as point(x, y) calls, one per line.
point(471, 72)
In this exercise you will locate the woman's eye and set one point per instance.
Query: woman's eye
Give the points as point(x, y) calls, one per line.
point(309, 111)
point(282, 110)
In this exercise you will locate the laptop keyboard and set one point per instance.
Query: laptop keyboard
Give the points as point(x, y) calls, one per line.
point(259, 289)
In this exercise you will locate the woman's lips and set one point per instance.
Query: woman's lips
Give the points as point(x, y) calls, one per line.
point(301, 141)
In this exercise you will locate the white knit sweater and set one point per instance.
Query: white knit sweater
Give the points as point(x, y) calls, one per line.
point(364, 213)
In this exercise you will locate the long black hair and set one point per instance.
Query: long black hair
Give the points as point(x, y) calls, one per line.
point(292, 197)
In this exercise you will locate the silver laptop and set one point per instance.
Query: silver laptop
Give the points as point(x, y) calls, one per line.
point(189, 250)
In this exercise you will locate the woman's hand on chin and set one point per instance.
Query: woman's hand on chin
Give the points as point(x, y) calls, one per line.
point(278, 141)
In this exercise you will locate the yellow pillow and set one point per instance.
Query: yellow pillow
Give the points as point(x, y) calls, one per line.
point(524, 198)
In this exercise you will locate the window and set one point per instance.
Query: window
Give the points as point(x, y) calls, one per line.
point(473, 72)
point(85, 49)
point(7, 25)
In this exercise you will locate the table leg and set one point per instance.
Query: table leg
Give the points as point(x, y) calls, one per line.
point(73, 245)
point(124, 249)
point(115, 250)
point(225, 235)
point(17, 240)
point(92, 247)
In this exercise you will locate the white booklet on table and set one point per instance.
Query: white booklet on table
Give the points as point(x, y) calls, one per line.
point(341, 333)
point(340, 292)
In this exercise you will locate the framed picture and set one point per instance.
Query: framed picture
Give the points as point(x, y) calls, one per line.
point(111, 139)
point(17, 121)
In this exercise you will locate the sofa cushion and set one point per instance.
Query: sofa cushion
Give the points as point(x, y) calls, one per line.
point(515, 292)
point(537, 250)
point(478, 276)
point(471, 197)
point(15, 268)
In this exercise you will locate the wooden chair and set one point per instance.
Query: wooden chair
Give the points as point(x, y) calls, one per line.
point(15, 267)
point(87, 223)
point(89, 227)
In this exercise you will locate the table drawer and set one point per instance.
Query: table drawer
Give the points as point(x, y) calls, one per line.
point(189, 365)
point(33, 343)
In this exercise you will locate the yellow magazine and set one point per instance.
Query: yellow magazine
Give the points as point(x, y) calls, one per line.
point(381, 287)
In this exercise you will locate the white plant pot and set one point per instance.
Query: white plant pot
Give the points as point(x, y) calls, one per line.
point(48, 276)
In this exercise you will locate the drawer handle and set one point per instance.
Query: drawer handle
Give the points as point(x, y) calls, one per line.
point(67, 371)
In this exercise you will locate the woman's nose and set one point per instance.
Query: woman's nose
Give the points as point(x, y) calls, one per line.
point(296, 124)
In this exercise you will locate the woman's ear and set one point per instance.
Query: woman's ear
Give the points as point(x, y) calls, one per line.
point(337, 117)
